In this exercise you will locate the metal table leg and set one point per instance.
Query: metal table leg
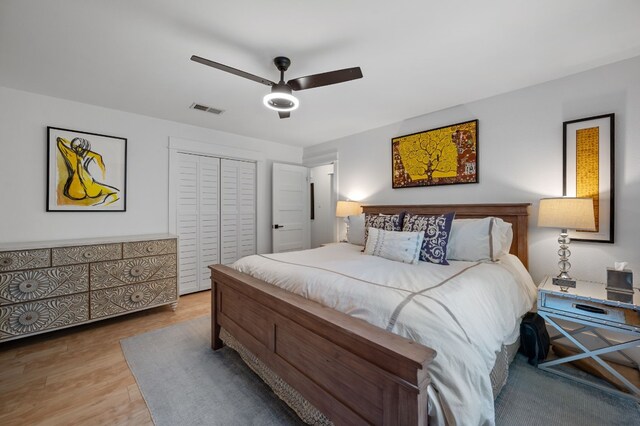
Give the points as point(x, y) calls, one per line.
point(588, 353)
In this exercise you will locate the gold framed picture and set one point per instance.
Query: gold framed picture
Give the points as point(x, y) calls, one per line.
point(588, 151)
point(444, 156)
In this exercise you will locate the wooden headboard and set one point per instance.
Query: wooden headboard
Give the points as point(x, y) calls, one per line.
point(516, 214)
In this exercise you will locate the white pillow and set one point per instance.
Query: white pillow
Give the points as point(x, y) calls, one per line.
point(394, 245)
point(474, 240)
point(355, 232)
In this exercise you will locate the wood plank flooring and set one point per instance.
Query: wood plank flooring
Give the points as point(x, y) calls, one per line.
point(79, 375)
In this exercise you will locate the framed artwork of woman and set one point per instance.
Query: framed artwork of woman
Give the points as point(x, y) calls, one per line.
point(86, 171)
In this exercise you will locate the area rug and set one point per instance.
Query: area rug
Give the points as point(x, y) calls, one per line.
point(534, 397)
point(185, 383)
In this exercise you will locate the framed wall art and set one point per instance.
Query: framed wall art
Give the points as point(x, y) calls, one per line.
point(85, 171)
point(443, 156)
point(588, 153)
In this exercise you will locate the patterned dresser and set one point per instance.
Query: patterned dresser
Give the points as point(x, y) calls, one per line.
point(54, 285)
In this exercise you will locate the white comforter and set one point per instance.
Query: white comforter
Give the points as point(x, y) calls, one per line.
point(465, 311)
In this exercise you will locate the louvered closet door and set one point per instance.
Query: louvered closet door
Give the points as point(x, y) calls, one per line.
point(187, 221)
point(197, 219)
point(238, 210)
point(208, 225)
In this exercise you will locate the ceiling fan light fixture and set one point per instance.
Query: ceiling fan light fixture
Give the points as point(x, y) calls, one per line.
point(279, 101)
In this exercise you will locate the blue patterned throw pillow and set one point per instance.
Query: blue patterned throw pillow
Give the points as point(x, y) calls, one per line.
point(436, 235)
point(382, 221)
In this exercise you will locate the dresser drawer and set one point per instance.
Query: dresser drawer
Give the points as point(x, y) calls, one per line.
point(23, 286)
point(85, 254)
point(584, 308)
point(148, 248)
point(33, 317)
point(24, 259)
point(132, 271)
point(119, 300)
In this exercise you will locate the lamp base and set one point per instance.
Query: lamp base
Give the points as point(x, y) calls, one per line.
point(564, 283)
point(346, 231)
point(563, 280)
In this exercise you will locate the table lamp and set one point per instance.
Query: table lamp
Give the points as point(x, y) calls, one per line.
point(566, 213)
point(347, 208)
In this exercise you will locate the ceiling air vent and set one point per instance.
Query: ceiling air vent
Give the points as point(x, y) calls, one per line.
point(205, 108)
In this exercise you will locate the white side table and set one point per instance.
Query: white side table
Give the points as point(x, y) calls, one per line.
point(587, 306)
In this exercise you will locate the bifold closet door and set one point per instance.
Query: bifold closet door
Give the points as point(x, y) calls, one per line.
point(198, 223)
point(238, 210)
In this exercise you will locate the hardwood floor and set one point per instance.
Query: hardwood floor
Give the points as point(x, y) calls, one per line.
point(80, 375)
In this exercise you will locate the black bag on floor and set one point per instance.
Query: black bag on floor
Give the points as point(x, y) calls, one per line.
point(534, 338)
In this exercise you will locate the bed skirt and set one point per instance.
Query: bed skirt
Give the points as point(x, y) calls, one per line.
point(310, 414)
point(500, 372)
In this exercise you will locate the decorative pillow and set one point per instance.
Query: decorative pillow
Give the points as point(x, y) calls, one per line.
point(355, 231)
point(382, 221)
point(475, 240)
point(436, 235)
point(400, 246)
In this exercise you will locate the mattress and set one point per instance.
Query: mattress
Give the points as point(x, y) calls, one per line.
point(465, 311)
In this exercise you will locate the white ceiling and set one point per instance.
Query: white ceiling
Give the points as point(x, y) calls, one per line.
point(416, 56)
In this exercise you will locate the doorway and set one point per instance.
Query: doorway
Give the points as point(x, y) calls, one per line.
point(323, 217)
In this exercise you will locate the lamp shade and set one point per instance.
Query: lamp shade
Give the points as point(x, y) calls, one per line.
point(348, 208)
point(567, 213)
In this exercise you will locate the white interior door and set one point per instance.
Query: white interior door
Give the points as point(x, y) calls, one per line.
point(290, 200)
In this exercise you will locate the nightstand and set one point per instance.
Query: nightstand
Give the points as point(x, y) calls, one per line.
point(585, 309)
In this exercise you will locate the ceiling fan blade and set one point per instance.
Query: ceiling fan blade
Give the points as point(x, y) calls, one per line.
point(231, 70)
point(284, 114)
point(325, 79)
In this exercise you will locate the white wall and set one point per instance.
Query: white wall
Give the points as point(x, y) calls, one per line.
point(520, 160)
point(323, 224)
point(24, 118)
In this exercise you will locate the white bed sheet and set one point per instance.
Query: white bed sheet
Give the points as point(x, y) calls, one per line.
point(465, 311)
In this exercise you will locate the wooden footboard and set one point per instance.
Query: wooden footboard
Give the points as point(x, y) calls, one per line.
point(352, 371)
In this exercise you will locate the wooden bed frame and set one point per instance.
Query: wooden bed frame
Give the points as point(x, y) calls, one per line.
point(350, 370)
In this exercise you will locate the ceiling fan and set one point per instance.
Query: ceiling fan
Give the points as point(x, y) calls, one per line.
point(280, 99)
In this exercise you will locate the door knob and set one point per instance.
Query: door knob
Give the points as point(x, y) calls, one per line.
point(276, 226)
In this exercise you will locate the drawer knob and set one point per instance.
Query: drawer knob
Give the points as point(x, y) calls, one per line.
point(137, 296)
point(89, 254)
point(28, 286)
point(151, 249)
point(29, 317)
point(136, 271)
point(6, 261)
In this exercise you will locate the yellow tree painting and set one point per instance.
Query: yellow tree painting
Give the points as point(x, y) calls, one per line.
point(446, 155)
point(87, 171)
